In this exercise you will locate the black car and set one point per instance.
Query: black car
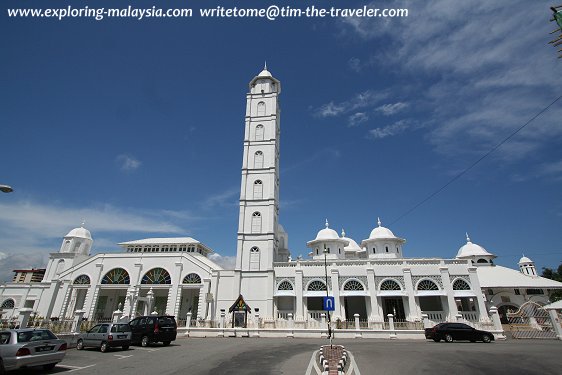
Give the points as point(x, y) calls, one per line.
point(457, 331)
point(155, 328)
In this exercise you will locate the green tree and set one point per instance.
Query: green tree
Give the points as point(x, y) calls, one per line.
point(549, 273)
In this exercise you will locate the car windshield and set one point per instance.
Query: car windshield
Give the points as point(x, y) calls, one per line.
point(166, 320)
point(36, 335)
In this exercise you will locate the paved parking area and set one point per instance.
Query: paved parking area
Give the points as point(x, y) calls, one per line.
point(292, 356)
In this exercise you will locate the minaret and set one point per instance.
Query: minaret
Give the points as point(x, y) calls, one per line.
point(257, 245)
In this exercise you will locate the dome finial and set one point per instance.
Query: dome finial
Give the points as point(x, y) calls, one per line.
point(379, 221)
point(467, 238)
point(343, 232)
point(83, 222)
point(327, 225)
point(265, 65)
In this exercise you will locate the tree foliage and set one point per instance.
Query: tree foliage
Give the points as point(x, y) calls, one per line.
point(549, 273)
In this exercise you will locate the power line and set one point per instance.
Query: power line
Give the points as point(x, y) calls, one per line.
point(456, 177)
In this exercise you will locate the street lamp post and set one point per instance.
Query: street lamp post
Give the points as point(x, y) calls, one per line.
point(6, 189)
point(327, 295)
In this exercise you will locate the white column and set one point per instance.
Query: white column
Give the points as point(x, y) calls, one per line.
point(555, 323)
point(475, 286)
point(23, 318)
point(372, 286)
point(413, 308)
point(453, 311)
point(391, 326)
point(77, 322)
point(299, 299)
point(335, 286)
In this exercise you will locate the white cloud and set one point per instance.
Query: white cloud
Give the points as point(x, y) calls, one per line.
point(226, 262)
point(392, 109)
point(357, 118)
point(354, 64)
point(227, 198)
point(364, 99)
point(388, 131)
point(480, 74)
point(128, 163)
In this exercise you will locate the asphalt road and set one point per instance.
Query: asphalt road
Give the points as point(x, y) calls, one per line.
point(292, 356)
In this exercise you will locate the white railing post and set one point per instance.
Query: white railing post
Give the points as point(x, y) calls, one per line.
point(497, 323)
point(458, 317)
point(291, 325)
point(555, 323)
point(188, 323)
point(391, 326)
point(322, 325)
point(77, 322)
point(257, 323)
point(222, 322)
point(23, 318)
point(426, 321)
point(357, 327)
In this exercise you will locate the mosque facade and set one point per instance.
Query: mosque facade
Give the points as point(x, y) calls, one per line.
point(175, 276)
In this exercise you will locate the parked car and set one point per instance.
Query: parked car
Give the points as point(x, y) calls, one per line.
point(457, 331)
point(105, 336)
point(29, 347)
point(152, 329)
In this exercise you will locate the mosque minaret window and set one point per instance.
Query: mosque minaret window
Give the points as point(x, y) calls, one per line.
point(256, 222)
point(258, 160)
point(258, 189)
point(261, 109)
point(259, 133)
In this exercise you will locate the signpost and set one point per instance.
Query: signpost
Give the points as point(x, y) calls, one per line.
point(328, 303)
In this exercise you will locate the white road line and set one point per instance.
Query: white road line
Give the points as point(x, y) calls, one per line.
point(121, 356)
point(312, 364)
point(147, 349)
point(353, 365)
point(75, 368)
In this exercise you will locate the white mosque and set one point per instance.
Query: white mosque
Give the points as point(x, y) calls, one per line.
point(371, 279)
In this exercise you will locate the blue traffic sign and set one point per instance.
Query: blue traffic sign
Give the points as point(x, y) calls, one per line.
point(328, 303)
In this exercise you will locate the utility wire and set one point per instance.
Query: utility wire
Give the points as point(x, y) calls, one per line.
point(476, 162)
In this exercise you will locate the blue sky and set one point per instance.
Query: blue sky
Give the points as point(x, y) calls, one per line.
point(137, 127)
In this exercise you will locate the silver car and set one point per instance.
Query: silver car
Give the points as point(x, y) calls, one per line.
point(105, 336)
point(29, 347)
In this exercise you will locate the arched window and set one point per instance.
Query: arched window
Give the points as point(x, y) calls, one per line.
point(259, 133)
point(258, 159)
point(390, 285)
point(82, 280)
point(482, 261)
point(8, 304)
point(427, 285)
point(256, 222)
point(316, 285)
point(192, 278)
point(116, 276)
point(60, 267)
point(460, 284)
point(258, 189)
point(261, 109)
point(353, 285)
point(254, 258)
point(156, 276)
point(285, 285)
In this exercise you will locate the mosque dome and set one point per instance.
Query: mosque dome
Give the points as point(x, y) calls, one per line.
point(352, 246)
point(524, 259)
point(327, 234)
point(471, 249)
point(265, 73)
point(80, 232)
point(381, 232)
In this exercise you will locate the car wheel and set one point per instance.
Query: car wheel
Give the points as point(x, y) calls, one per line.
point(486, 339)
point(166, 343)
point(144, 341)
point(448, 338)
point(104, 347)
point(49, 366)
point(125, 347)
point(436, 339)
point(80, 345)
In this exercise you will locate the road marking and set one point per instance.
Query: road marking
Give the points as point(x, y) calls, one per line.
point(353, 368)
point(121, 356)
point(150, 350)
point(312, 364)
point(74, 368)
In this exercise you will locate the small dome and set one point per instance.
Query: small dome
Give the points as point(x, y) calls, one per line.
point(327, 234)
point(352, 246)
point(265, 73)
point(524, 259)
point(80, 233)
point(472, 249)
point(381, 232)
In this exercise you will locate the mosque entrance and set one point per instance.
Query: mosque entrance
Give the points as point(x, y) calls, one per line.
point(355, 305)
point(394, 306)
point(240, 311)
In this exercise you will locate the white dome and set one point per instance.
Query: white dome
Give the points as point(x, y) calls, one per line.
point(353, 246)
point(80, 233)
point(381, 232)
point(327, 234)
point(524, 259)
point(472, 249)
point(265, 74)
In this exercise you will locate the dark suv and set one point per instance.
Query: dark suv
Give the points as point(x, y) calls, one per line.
point(151, 329)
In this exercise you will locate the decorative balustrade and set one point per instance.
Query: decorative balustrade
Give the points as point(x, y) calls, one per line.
point(435, 316)
point(471, 316)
